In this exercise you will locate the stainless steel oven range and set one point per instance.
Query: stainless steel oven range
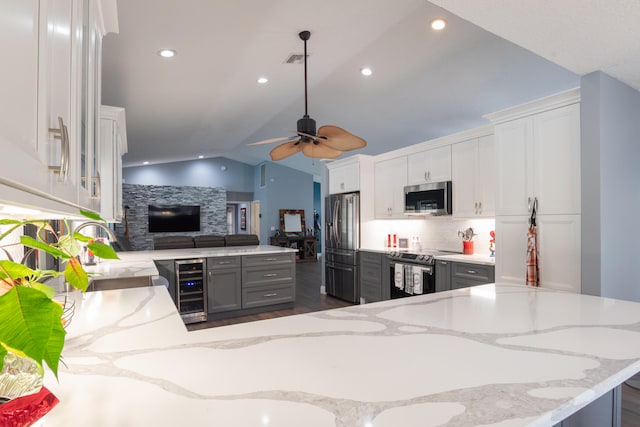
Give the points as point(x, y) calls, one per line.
point(412, 273)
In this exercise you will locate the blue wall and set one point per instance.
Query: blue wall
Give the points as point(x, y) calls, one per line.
point(610, 155)
point(236, 176)
point(285, 188)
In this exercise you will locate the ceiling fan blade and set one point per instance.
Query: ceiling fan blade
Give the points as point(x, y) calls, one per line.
point(285, 150)
point(319, 150)
point(272, 140)
point(339, 139)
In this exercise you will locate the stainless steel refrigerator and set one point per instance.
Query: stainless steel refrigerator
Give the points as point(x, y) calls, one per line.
point(342, 240)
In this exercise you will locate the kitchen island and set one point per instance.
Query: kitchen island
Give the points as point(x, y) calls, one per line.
point(491, 355)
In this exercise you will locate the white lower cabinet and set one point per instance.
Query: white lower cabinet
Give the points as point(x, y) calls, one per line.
point(559, 249)
point(390, 178)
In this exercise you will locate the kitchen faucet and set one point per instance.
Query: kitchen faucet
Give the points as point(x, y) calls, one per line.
point(112, 236)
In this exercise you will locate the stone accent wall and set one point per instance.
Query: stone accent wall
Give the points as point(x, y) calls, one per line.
point(212, 201)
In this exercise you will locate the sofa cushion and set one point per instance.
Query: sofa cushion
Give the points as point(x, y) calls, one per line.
point(241, 240)
point(208, 241)
point(172, 242)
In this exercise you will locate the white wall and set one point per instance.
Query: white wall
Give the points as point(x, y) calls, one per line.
point(610, 187)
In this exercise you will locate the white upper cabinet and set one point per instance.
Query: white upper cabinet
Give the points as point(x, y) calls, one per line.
point(49, 118)
point(538, 158)
point(344, 178)
point(432, 165)
point(113, 145)
point(390, 178)
point(473, 176)
point(19, 29)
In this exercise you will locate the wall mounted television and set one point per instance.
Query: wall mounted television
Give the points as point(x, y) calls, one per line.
point(173, 218)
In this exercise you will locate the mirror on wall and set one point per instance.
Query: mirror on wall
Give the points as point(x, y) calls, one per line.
point(292, 221)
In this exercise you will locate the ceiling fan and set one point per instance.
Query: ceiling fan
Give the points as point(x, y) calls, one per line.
point(328, 142)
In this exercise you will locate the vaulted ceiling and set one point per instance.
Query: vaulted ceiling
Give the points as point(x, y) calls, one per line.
point(206, 102)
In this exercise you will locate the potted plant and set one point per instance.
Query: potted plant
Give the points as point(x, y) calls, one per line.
point(31, 321)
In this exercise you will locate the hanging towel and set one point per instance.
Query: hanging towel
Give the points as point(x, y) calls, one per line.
point(408, 279)
point(417, 279)
point(533, 267)
point(398, 278)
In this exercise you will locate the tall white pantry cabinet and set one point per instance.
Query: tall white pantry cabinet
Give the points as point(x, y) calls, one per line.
point(538, 161)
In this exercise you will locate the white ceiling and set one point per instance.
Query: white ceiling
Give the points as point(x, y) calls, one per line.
point(206, 101)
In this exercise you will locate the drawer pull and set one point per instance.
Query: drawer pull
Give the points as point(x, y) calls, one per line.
point(270, 275)
point(270, 295)
point(224, 262)
point(270, 259)
point(472, 272)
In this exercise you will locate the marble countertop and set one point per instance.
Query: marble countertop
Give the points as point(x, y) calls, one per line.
point(491, 355)
point(471, 259)
point(140, 263)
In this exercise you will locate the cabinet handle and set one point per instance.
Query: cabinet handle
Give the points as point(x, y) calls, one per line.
point(472, 272)
point(270, 259)
point(476, 207)
point(270, 295)
point(270, 275)
point(63, 135)
point(479, 207)
point(224, 262)
point(342, 185)
point(528, 204)
point(425, 176)
point(98, 182)
point(442, 262)
point(429, 176)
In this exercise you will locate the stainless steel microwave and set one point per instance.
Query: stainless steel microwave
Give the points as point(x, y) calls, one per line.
point(428, 199)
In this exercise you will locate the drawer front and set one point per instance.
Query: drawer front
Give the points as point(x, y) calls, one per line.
point(268, 259)
point(459, 282)
point(267, 295)
point(216, 263)
point(258, 276)
point(477, 272)
point(370, 257)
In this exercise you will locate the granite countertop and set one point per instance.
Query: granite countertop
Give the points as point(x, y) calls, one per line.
point(140, 263)
point(488, 355)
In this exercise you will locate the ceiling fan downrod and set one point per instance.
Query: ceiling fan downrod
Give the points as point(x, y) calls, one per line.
point(306, 124)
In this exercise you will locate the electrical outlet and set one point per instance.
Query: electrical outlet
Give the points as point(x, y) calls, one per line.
point(273, 228)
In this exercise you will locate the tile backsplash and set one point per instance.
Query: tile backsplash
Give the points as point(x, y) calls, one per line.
point(434, 233)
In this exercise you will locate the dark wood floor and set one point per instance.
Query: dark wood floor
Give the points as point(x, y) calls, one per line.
point(309, 299)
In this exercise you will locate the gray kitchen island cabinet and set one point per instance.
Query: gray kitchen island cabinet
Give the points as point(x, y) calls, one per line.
point(268, 279)
point(224, 284)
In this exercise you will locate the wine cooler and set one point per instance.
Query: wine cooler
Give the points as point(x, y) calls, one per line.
point(191, 292)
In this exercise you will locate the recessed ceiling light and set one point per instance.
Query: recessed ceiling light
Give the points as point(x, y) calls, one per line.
point(201, 157)
point(366, 71)
point(262, 80)
point(438, 24)
point(167, 53)
point(145, 163)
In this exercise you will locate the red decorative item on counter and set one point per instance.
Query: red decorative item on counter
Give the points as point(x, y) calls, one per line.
point(395, 240)
point(467, 247)
point(26, 410)
point(388, 240)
